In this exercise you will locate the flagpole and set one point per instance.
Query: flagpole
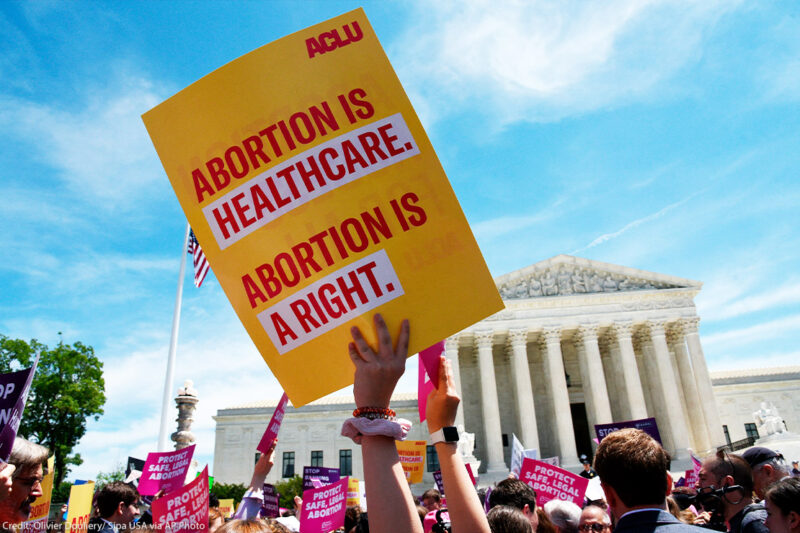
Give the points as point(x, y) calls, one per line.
point(173, 345)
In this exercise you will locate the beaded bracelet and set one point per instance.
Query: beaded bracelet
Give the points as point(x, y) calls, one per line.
point(374, 413)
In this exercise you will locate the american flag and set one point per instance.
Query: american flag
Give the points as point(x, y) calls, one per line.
point(200, 263)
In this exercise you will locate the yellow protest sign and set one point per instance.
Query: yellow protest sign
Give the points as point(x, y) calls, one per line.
point(80, 507)
point(353, 494)
point(226, 507)
point(412, 457)
point(40, 508)
point(318, 200)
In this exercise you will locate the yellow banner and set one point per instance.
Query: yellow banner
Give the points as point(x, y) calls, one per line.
point(80, 507)
point(318, 200)
point(353, 494)
point(226, 507)
point(412, 457)
point(40, 508)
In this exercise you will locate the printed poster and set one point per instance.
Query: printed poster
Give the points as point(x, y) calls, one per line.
point(320, 473)
point(274, 425)
point(271, 507)
point(552, 482)
point(165, 470)
point(226, 507)
point(80, 507)
point(412, 457)
point(353, 492)
point(14, 388)
point(318, 200)
point(648, 425)
point(324, 508)
point(185, 510)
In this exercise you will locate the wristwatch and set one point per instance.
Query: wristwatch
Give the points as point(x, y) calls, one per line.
point(446, 434)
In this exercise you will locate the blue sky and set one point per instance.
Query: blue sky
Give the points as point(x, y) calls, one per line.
point(659, 135)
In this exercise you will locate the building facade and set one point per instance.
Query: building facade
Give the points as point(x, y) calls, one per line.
point(579, 343)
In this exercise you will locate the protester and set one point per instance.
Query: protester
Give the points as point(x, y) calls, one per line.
point(634, 474)
point(118, 506)
point(28, 460)
point(725, 488)
point(250, 525)
point(564, 515)
point(505, 519)
point(215, 519)
point(6, 481)
point(768, 467)
point(516, 493)
point(783, 506)
point(465, 510)
point(543, 524)
point(594, 520)
point(252, 500)
point(391, 506)
point(431, 500)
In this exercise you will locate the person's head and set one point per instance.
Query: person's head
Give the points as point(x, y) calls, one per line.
point(594, 520)
point(351, 516)
point(732, 474)
point(633, 470)
point(506, 519)
point(768, 467)
point(215, 519)
point(118, 503)
point(795, 465)
point(544, 525)
point(516, 493)
point(782, 500)
point(587, 466)
point(564, 515)
point(251, 525)
point(431, 499)
point(29, 460)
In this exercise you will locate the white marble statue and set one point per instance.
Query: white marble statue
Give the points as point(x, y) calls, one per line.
point(768, 420)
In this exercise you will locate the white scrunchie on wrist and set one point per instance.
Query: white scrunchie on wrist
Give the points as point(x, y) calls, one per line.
point(355, 428)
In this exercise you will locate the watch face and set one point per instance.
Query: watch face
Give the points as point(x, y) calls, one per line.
point(450, 434)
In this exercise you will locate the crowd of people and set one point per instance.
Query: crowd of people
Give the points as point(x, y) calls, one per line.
point(749, 493)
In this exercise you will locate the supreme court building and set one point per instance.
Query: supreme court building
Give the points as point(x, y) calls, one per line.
point(579, 343)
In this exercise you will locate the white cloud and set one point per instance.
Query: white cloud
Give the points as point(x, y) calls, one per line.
point(759, 333)
point(540, 61)
point(102, 151)
point(786, 294)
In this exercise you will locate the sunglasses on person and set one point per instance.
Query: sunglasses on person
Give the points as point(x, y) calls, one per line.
point(597, 528)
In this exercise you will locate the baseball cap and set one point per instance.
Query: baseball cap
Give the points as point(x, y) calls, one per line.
point(758, 455)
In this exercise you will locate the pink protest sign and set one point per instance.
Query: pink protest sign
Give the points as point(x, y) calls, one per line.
point(553, 483)
point(323, 508)
point(165, 470)
point(471, 475)
point(424, 388)
point(691, 478)
point(185, 510)
point(274, 425)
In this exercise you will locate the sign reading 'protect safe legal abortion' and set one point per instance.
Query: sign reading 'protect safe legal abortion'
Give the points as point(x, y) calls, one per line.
point(318, 200)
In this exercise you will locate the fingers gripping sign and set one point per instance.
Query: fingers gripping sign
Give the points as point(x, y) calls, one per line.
point(443, 400)
point(377, 371)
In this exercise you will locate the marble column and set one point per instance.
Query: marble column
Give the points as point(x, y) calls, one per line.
point(451, 352)
point(635, 406)
point(523, 392)
point(694, 414)
point(670, 393)
point(595, 392)
point(703, 381)
point(490, 407)
point(562, 415)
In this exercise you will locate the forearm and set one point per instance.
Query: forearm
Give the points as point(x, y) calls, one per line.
point(466, 513)
point(391, 506)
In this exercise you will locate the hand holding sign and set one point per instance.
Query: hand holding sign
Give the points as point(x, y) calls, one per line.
point(443, 400)
point(377, 372)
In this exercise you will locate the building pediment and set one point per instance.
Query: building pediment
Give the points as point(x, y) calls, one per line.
point(566, 275)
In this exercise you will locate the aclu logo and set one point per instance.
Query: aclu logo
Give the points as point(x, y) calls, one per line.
point(329, 41)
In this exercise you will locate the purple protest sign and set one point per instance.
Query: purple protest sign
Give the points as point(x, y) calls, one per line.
point(324, 508)
point(274, 425)
point(165, 470)
point(270, 508)
point(648, 425)
point(553, 483)
point(437, 477)
point(14, 388)
point(325, 475)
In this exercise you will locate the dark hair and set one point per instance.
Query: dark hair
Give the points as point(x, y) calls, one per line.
point(632, 463)
point(729, 464)
point(351, 516)
point(785, 495)
point(213, 500)
point(514, 493)
point(110, 496)
point(505, 519)
point(431, 493)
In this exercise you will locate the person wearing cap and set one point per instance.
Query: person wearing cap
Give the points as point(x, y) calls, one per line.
point(795, 470)
point(588, 471)
point(768, 467)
